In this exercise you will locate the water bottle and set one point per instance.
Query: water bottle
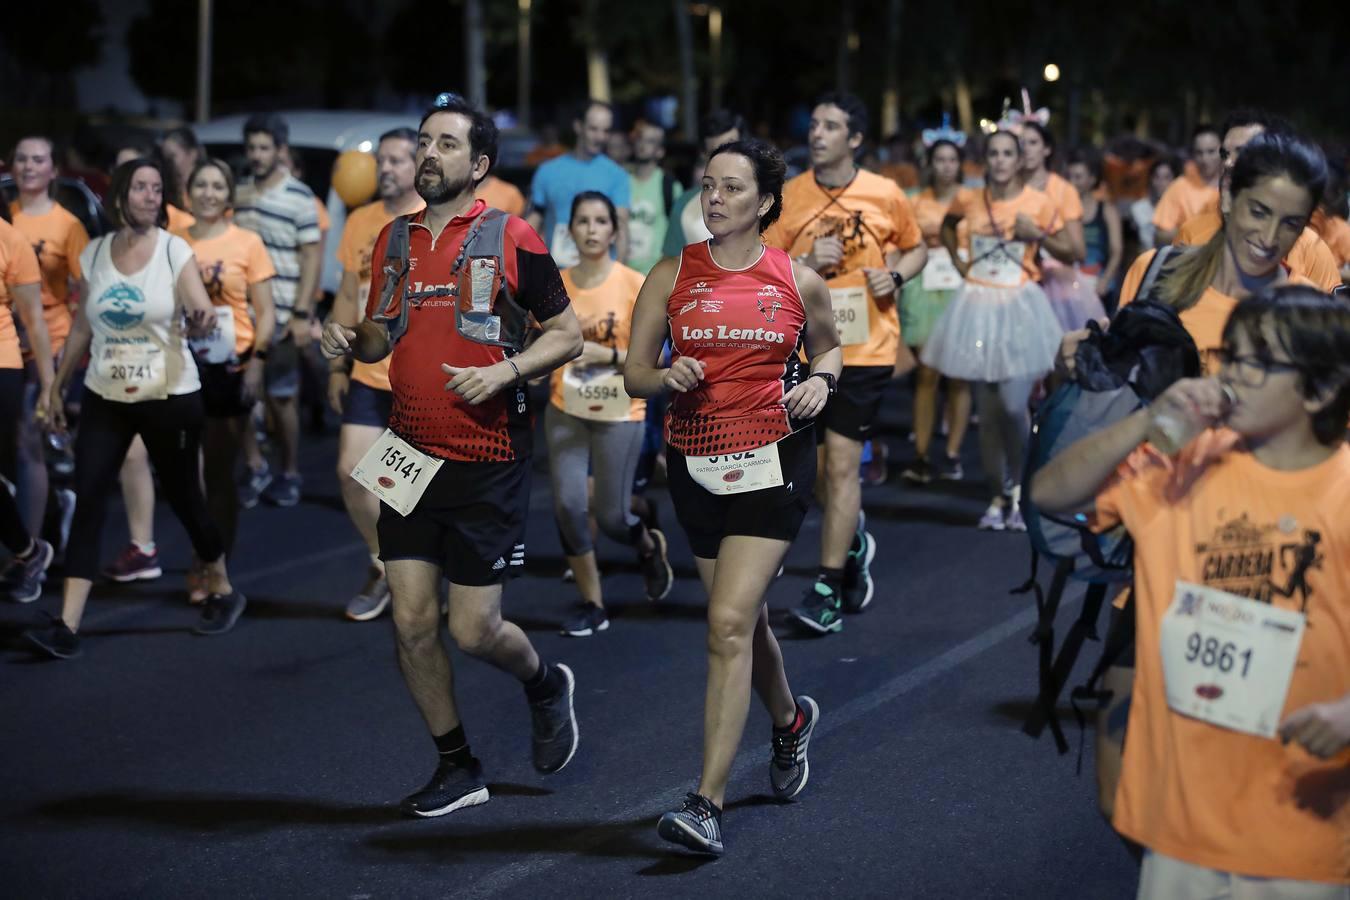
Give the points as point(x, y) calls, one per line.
point(1170, 431)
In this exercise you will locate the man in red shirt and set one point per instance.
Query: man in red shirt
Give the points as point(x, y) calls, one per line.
point(453, 469)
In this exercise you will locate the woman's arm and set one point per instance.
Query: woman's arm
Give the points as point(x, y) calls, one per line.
point(641, 377)
point(808, 399)
point(201, 315)
point(1115, 247)
point(77, 345)
point(948, 238)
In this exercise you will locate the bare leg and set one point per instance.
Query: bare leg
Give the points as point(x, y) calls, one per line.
point(843, 498)
point(138, 493)
point(363, 507)
point(479, 630)
point(415, 586)
point(958, 414)
point(587, 573)
point(286, 421)
point(925, 409)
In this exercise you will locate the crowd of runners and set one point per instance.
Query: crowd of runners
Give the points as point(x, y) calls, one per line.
point(735, 339)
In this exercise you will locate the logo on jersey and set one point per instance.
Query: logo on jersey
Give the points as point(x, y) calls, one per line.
point(122, 307)
point(769, 301)
point(710, 305)
point(686, 308)
point(723, 333)
point(385, 482)
point(701, 288)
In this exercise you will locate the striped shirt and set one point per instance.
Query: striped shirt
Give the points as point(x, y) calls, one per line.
point(285, 217)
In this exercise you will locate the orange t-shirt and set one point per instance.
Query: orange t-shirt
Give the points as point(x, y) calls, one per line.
point(1204, 794)
point(180, 220)
point(905, 174)
point(606, 316)
point(501, 194)
point(929, 212)
point(975, 207)
point(18, 266)
point(1204, 321)
point(1335, 233)
point(1309, 257)
point(1185, 197)
point(1065, 198)
point(58, 238)
point(230, 264)
point(364, 225)
point(872, 216)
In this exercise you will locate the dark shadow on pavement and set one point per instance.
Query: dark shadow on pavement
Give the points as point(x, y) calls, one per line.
point(634, 838)
point(211, 812)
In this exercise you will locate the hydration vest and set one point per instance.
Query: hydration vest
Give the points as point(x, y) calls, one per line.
point(485, 311)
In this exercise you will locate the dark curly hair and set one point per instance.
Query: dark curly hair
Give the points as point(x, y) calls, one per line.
point(770, 172)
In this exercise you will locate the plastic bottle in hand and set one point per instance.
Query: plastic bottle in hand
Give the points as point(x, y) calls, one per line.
point(1172, 431)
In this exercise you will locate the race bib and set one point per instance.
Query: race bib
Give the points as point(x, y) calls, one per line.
point(596, 393)
point(218, 346)
point(135, 371)
point(562, 248)
point(938, 273)
point(396, 472)
point(1228, 660)
point(850, 315)
point(737, 473)
point(996, 262)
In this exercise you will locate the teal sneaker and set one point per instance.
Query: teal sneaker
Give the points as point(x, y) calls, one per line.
point(820, 610)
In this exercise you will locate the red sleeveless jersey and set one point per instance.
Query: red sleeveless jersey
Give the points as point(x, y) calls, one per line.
point(744, 326)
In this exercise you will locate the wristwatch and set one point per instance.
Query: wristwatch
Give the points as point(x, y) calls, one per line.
point(831, 383)
point(300, 314)
point(898, 279)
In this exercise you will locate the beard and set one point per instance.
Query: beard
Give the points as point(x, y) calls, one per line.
point(441, 190)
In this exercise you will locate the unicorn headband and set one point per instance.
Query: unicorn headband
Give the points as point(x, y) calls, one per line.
point(1012, 119)
point(946, 133)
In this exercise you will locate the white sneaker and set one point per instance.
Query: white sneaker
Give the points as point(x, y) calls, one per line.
point(1014, 521)
point(992, 520)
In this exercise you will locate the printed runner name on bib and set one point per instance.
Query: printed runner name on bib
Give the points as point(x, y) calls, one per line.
point(135, 370)
point(996, 262)
point(737, 473)
point(850, 315)
point(218, 346)
point(938, 273)
point(396, 472)
point(1228, 660)
point(596, 393)
point(562, 248)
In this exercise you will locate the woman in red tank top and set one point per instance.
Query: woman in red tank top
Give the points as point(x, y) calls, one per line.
point(741, 457)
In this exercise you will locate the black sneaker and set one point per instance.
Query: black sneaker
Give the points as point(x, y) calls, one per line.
point(858, 586)
point(820, 609)
point(554, 726)
point(950, 469)
point(284, 491)
point(54, 638)
point(588, 620)
point(657, 574)
point(697, 824)
point(22, 579)
point(452, 787)
point(918, 472)
point(788, 767)
point(220, 612)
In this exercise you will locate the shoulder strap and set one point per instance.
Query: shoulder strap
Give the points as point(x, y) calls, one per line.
point(1155, 268)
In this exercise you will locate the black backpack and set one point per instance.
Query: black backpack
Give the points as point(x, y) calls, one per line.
point(1116, 372)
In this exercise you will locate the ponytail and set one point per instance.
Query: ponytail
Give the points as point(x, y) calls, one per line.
point(1184, 279)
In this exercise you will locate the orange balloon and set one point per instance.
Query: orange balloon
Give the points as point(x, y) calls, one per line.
point(354, 177)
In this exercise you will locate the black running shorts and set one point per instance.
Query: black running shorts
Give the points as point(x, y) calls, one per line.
point(775, 513)
point(367, 405)
point(470, 522)
point(852, 411)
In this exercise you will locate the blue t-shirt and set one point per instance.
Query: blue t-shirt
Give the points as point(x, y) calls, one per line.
point(559, 180)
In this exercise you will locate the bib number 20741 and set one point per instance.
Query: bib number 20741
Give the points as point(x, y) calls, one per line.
point(396, 472)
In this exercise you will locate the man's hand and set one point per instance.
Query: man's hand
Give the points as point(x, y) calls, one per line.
point(477, 384)
point(56, 410)
point(1322, 728)
point(1068, 348)
point(1026, 229)
point(684, 375)
point(807, 399)
point(300, 332)
point(339, 382)
point(826, 253)
point(880, 282)
point(337, 340)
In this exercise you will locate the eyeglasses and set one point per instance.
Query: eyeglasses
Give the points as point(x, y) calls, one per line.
point(1251, 371)
point(447, 98)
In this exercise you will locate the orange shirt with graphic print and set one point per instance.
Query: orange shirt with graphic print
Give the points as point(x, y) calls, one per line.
point(983, 215)
point(872, 216)
point(1185, 197)
point(606, 316)
point(364, 225)
point(1335, 233)
point(1194, 791)
point(1309, 257)
point(501, 194)
point(231, 263)
point(18, 267)
point(1205, 319)
point(58, 238)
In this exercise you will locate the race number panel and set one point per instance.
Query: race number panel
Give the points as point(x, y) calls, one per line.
point(218, 346)
point(737, 473)
point(396, 472)
point(595, 393)
point(938, 273)
point(850, 315)
point(996, 262)
point(136, 369)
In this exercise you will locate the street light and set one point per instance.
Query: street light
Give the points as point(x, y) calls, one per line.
point(1051, 72)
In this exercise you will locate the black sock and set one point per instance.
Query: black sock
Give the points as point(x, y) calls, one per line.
point(797, 719)
point(544, 684)
point(453, 746)
point(831, 578)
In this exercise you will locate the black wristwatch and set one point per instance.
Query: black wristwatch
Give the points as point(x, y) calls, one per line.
point(831, 383)
point(301, 314)
point(898, 279)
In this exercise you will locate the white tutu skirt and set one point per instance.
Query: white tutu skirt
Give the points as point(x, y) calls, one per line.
point(1073, 297)
point(995, 334)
